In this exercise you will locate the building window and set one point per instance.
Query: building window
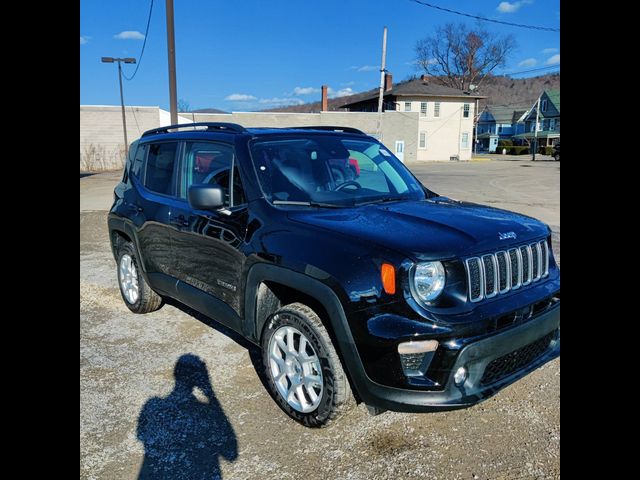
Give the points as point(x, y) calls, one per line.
point(465, 111)
point(464, 141)
point(407, 106)
point(543, 105)
point(436, 109)
point(499, 128)
point(423, 140)
point(423, 109)
point(552, 124)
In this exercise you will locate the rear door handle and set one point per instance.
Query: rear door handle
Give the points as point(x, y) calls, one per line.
point(135, 208)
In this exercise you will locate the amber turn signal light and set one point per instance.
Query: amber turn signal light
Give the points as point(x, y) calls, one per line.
point(388, 275)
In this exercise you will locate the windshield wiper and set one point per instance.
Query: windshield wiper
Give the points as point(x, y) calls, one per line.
point(381, 200)
point(307, 204)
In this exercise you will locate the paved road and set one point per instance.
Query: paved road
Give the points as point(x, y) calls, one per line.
point(134, 416)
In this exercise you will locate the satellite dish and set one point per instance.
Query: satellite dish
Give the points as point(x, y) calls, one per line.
point(472, 87)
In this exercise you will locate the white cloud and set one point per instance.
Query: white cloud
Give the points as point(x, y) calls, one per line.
point(511, 7)
point(547, 51)
point(276, 101)
point(304, 91)
point(239, 97)
point(83, 40)
point(364, 68)
point(553, 60)
point(343, 92)
point(129, 35)
point(528, 62)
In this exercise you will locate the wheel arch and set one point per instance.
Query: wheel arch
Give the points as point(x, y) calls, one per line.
point(270, 286)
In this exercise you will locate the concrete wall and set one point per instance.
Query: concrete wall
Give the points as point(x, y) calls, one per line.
point(395, 125)
point(101, 136)
point(102, 142)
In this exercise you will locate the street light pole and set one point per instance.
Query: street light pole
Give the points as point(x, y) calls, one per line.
point(124, 118)
point(171, 51)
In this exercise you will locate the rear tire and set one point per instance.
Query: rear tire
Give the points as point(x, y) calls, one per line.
point(135, 291)
point(302, 368)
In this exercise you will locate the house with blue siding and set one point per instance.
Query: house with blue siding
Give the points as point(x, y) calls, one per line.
point(498, 122)
point(548, 120)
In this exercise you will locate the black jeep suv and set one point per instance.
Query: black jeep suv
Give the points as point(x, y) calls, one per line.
point(318, 245)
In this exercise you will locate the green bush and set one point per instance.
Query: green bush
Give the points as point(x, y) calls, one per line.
point(519, 150)
point(542, 150)
point(505, 143)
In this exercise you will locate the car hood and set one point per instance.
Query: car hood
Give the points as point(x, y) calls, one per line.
point(436, 228)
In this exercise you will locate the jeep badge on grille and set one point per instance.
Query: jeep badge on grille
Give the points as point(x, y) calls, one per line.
point(504, 236)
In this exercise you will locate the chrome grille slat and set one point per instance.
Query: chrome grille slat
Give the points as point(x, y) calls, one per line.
point(525, 253)
point(497, 273)
point(475, 279)
point(489, 264)
point(536, 251)
point(504, 272)
point(545, 248)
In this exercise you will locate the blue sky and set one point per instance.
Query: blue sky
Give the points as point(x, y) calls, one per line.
point(251, 54)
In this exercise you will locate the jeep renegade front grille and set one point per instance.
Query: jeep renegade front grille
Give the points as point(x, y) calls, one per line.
point(500, 272)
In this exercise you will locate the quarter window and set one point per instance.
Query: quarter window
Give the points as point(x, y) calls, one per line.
point(159, 171)
point(465, 110)
point(138, 160)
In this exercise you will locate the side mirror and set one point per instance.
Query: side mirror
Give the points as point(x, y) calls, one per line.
point(206, 197)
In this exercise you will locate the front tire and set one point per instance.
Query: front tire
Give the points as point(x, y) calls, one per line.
point(135, 291)
point(303, 370)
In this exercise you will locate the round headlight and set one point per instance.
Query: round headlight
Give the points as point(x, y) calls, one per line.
point(428, 280)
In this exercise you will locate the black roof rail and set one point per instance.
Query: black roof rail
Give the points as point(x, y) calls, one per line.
point(211, 127)
point(332, 128)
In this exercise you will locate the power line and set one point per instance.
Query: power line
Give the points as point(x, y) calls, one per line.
point(146, 33)
point(484, 19)
point(550, 67)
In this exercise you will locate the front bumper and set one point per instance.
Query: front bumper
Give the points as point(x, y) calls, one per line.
point(475, 356)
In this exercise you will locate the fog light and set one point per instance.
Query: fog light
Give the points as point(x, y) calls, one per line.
point(460, 376)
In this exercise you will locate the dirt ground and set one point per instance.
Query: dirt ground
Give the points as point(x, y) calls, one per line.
point(135, 416)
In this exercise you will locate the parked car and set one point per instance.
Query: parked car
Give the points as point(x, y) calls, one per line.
point(372, 289)
point(556, 152)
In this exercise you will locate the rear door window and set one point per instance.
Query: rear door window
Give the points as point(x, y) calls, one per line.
point(159, 173)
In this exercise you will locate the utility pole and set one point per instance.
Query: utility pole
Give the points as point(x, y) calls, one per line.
point(171, 46)
point(535, 132)
point(475, 128)
point(124, 118)
point(382, 71)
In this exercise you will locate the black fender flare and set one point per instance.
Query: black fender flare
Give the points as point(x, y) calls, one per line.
point(252, 326)
point(119, 224)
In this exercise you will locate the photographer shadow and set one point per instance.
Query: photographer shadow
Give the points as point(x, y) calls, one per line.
point(185, 433)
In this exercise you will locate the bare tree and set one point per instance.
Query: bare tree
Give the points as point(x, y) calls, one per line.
point(461, 56)
point(183, 105)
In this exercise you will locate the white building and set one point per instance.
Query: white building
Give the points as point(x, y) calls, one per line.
point(445, 121)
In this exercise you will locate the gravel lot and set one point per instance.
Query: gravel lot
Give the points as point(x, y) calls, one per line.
point(130, 398)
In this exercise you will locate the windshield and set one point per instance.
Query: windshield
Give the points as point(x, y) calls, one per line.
point(330, 170)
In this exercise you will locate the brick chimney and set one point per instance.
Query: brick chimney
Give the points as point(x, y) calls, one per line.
point(325, 103)
point(425, 78)
point(388, 82)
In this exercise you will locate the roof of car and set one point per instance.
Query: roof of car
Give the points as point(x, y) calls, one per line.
point(202, 128)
